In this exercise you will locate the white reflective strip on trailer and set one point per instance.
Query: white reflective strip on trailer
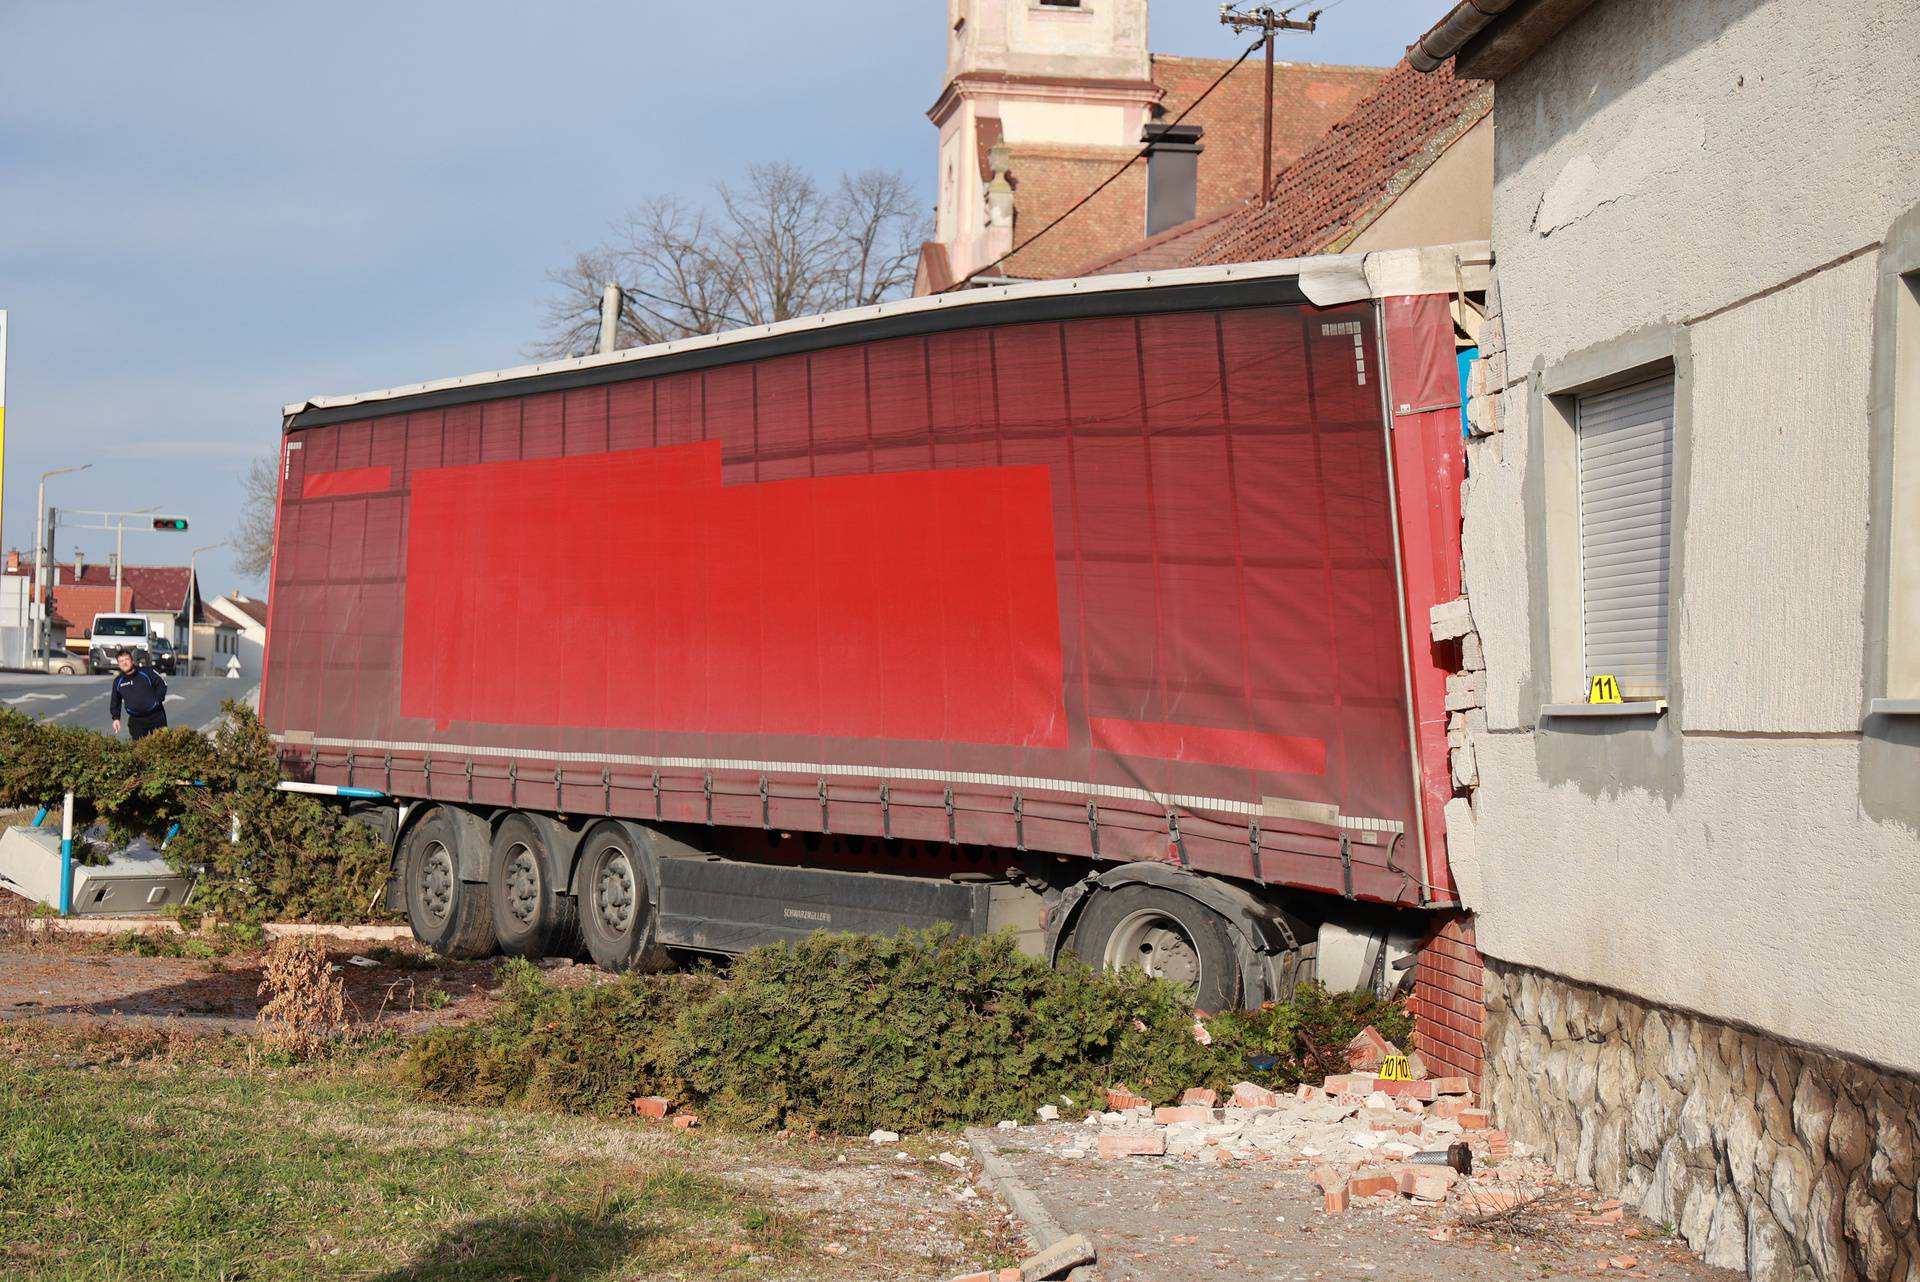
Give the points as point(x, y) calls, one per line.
point(1271, 806)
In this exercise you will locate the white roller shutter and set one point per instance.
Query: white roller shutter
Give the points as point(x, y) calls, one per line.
point(1626, 533)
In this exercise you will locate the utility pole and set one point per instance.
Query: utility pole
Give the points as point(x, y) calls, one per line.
point(1265, 18)
point(42, 553)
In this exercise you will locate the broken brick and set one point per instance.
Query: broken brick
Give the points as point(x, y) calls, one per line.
point(686, 1121)
point(1450, 1106)
point(1123, 1145)
point(1369, 1048)
point(1394, 1125)
point(654, 1106)
point(1247, 1095)
point(1184, 1113)
point(1200, 1095)
point(1373, 1185)
point(1120, 1099)
point(1341, 1083)
point(1307, 1094)
point(1326, 1177)
point(1624, 1261)
point(1426, 1183)
point(1472, 1119)
point(1406, 1090)
point(1335, 1201)
point(1451, 1085)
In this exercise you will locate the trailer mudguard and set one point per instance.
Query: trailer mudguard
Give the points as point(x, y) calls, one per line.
point(1270, 937)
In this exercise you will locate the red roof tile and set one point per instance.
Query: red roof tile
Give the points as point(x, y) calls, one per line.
point(1344, 181)
point(1174, 247)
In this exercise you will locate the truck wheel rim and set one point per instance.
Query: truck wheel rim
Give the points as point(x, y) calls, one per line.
point(523, 884)
point(613, 892)
point(436, 882)
point(1154, 942)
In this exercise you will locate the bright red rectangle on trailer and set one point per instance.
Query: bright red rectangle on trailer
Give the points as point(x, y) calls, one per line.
point(352, 480)
point(641, 593)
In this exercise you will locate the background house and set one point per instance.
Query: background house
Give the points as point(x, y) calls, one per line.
point(216, 643)
point(1058, 96)
point(80, 589)
point(248, 615)
point(1696, 469)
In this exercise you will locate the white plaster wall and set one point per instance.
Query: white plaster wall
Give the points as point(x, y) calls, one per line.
point(1760, 895)
point(1657, 160)
point(1774, 565)
point(1659, 163)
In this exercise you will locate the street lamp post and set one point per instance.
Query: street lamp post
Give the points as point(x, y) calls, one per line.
point(193, 597)
point(40, 554)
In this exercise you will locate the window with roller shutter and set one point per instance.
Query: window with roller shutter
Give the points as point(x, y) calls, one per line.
point(1625, 444)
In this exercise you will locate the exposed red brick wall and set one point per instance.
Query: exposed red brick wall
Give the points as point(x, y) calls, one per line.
point(1448, 1008)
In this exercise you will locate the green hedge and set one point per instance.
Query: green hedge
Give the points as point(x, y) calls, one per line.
point(844, 1033)
point(298, 858)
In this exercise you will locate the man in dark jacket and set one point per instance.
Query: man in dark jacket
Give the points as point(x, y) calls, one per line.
point(145, 697)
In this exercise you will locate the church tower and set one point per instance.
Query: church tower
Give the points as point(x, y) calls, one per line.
point(1055, 82)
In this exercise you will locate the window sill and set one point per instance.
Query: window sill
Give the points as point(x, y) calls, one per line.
point(1894, 708)
point(1637, 708)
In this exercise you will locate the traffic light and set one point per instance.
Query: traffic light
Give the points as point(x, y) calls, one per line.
point(170, 523)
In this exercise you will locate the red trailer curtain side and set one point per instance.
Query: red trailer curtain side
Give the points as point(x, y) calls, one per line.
point(1121, 585)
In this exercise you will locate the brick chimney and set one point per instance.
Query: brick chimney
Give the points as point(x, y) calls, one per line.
point(13, 561)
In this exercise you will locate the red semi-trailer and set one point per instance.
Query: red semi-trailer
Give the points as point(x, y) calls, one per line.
point(1095, 608)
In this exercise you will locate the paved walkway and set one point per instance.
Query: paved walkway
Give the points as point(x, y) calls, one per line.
point(1195, 1219)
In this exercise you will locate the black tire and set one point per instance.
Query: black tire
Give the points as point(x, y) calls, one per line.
point(1165, 934)
point(448, 915)
point(531, 916)
point(615, 904)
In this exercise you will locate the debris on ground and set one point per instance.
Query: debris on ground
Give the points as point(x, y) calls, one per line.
point(1406, 1165)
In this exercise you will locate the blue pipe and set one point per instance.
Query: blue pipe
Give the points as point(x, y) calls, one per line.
point(41, 817)
point(66, 857)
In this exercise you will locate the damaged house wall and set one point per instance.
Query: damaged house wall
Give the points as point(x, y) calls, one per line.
point(1725, 192)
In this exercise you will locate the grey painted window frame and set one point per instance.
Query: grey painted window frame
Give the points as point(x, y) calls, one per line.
point(1553, 559)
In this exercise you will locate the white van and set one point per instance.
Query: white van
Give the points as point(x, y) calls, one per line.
point(112, 633)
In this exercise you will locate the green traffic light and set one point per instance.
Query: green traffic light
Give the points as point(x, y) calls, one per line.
point(169, 523)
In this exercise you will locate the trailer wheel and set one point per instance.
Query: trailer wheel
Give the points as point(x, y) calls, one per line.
point(1167, 935)
point(616, 908)
point(532, 917)
point(448, 915)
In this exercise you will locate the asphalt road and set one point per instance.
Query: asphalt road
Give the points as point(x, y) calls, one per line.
point(82, 701)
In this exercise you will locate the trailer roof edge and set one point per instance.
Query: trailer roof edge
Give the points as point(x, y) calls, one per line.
point(1323, 280)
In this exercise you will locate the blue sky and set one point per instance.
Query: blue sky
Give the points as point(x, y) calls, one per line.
point(209, 210)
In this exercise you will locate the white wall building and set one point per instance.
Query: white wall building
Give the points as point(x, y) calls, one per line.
point(249, 615)
point(1698, 470)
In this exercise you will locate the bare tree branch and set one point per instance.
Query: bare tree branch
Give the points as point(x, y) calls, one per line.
point(777, 247)
point(252, 540)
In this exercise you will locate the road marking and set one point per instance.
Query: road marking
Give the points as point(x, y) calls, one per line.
point(35, 694)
